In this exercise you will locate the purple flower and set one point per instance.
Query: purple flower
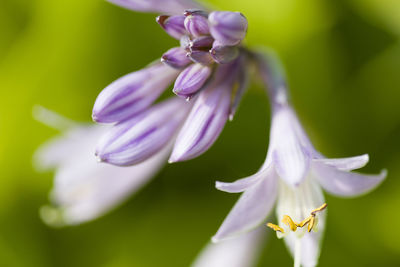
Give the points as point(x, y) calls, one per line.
point(83, 188)
point(207, 117)
point(209, 71)
point(176, 58)
point(137, 139)
point(191, 80)
point(132, 93)
point(228, 28)
point(196, 23)
point(292, 175)
point(157, 6)
point(173, 25)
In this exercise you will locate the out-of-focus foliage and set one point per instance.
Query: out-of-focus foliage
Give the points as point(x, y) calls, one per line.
point(343, 64)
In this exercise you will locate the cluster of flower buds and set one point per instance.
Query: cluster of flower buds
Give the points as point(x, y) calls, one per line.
point(205, 39)
point(209, 70)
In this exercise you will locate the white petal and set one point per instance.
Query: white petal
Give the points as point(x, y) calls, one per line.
point(62, 148)
point(242, 184)
point(242, 251)
point(345, 184)
point(298, 204)
point(85, 189)
point(346, 164)
point(290, 155)
point(250, 210)
point(309, 247)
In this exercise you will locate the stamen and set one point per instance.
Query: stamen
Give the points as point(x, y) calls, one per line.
point(304, 222)
point(289, 222)
point(311, 221)
point(323, 206)
point(275, 227)
point(311, 224)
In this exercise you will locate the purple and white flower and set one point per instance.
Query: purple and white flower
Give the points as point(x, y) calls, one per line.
point(83, 188)
point(292, 175)
point(209, 69)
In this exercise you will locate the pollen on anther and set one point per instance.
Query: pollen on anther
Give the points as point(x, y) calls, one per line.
point(275, 227)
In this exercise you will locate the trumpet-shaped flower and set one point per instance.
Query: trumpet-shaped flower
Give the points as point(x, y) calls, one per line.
point(292, 175)
point(209, 69)
point(84, 189)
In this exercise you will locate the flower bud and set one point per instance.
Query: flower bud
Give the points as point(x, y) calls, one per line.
point(135, 140)
point(228, 28)
point(173, 25)
point(197, 25)
point(201, 43)
point(206, 119)
point(223, 54)
point(201, 57)
point(203, 126)
point(191, 80)
point(132, 93)
point(176, 58)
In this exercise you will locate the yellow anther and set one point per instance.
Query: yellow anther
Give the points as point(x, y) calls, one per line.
point(275, 227)
point(289, 222)
point(304, 222)
point(311, 223)
point(319, 209)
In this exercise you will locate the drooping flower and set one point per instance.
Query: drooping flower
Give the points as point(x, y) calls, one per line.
point(292, 175)
point(209, 69)
point(84, 189)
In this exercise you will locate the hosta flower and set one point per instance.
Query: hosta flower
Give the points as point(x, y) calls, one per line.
point(292, 176)
point(242, 251)
point(208, 69)
point(83, 188)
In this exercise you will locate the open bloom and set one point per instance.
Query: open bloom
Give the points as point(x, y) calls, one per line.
point(84, 189)
point(209, 69)
point(292, 175)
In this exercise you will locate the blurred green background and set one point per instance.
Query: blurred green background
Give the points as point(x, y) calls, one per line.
point(343, 63)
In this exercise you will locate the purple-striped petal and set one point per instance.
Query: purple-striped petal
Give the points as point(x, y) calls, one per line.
point(204, 123)
point(132, 93)
point(346, 164)
point(343, 183)
point(291, 158)
point(250, 210)
point(173, 25)
point(228, 28)
point(133, 141)
point(191, 80)
point(197, 24)
point(223, 54)
point(157, 6)
point(176, 58)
